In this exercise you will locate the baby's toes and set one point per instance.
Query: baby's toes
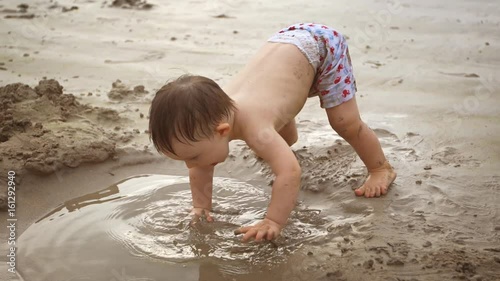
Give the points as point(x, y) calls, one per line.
point(383, 190)
point(369, 192)
point(360, 191)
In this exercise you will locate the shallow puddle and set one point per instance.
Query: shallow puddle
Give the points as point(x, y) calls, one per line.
point(139, 229)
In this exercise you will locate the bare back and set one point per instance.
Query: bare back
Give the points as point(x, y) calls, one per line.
point(272, 88)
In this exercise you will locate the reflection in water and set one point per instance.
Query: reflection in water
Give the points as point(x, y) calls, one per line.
point(85, 200)
point(139, 228)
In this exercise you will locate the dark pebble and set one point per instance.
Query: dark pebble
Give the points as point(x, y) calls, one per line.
point(65, 10)
point(221, 16)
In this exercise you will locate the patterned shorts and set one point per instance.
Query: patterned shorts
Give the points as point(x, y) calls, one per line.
point(327, 52)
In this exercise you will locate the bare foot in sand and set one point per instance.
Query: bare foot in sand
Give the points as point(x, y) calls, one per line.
point(378, 181)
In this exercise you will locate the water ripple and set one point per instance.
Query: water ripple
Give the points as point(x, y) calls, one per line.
point(147, 217)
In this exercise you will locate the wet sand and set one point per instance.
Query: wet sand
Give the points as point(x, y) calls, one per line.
point(428, 80)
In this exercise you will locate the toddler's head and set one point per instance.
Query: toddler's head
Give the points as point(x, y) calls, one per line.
point(188, 120)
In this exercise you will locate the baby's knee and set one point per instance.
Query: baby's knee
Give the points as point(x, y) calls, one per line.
point(292, 139)
point(289, 133)
point(349, 129)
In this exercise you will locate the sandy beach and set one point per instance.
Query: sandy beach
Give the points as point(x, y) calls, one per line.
point(76, 81)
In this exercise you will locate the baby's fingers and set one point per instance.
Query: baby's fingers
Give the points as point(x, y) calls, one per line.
point(206, 213)
point(249, 234)
point(242, 230)
point(271, 234)
point(197, 214)
point(261, 234)
point(195, 218)
point(209, 217)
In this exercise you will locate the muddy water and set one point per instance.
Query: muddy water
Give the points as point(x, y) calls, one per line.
point(139, 227)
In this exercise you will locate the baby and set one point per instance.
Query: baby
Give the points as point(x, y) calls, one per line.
point(193, 120)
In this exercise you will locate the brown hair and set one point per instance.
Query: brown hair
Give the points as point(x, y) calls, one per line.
point(187, 109)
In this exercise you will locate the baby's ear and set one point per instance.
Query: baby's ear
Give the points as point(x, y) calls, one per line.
point(223, 129)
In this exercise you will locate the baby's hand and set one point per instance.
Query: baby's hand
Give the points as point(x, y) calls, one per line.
point(265, 229)
point(198, 214)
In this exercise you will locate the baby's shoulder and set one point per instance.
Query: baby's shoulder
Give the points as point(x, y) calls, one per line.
point(249, 130)
point(253, 126)
point(259, 135)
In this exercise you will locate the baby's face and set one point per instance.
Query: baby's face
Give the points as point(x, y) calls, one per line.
point(203, 153)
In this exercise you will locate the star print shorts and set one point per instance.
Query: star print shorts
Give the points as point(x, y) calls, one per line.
point(327, 52)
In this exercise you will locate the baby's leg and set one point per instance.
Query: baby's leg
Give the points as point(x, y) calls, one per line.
point(345, 120)
point(289, 133)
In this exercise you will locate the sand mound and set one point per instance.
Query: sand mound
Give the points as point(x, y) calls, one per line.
point(120, 91)
point(328, 167)
point(44, 129)
point(325, 168)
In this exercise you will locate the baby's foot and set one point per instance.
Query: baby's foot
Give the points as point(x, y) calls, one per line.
point(378, 181)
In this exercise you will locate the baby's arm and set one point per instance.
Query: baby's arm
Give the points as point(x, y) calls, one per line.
point(276, 152)
point(201, 180)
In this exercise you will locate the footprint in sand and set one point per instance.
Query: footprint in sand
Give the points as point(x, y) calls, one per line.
point(451, 156)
